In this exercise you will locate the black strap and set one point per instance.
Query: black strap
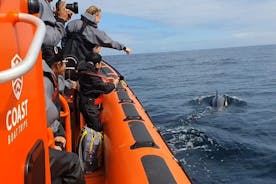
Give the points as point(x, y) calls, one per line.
point(55, 95)
point(84, 19)
point(79, 36)
point(49, 23)
point(53, 79)
point(77, 39)
point(84, 24)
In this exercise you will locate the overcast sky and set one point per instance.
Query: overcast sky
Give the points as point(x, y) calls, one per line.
point(175, 25)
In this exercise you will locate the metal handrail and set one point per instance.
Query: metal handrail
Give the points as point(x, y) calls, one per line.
point(34, 49)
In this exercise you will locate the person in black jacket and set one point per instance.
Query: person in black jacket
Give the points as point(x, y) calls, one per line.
point(92, 87)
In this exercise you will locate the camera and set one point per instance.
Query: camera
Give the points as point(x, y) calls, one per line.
point(72, 6)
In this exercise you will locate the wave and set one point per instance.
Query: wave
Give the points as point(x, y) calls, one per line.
point(186, 138)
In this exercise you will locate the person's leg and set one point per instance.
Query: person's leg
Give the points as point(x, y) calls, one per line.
point(91, 113)
point(56, 180)
point(65, 165)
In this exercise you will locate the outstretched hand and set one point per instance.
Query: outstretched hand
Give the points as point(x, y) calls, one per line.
point(128, 50)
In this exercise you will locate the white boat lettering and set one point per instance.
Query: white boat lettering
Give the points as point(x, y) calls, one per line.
point(15, 115)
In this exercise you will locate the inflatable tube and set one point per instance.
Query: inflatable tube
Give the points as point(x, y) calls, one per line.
point(134, 150)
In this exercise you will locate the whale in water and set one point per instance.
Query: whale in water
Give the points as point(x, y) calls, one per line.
point(219, 101)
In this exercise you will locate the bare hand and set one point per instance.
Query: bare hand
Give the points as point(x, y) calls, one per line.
point(64, 13)
point(116, 81)
point(97, 49)
point(128, 50)
point(57, 148)
point(60, 139)
point(74, 84)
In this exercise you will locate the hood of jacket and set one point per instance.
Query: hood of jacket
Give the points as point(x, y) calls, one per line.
point(86, 66)
point(91, 20)
point(46, 67)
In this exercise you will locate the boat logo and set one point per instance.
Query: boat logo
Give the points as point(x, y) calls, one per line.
point(17, 84)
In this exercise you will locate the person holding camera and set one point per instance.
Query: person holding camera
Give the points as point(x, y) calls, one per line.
point(64, 166)
point(54, 20)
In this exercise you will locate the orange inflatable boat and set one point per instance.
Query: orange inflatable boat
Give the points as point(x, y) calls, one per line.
point(134, 151)
point(23, 132)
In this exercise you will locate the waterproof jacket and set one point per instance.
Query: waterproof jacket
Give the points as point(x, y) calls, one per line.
point(91, 32)
point(52, 105)
point(92, 86)
point(55, 29)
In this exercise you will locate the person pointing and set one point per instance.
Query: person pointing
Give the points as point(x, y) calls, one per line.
point(87, 28)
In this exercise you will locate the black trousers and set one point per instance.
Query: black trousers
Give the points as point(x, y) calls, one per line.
point(65, 168)
point(90, 113)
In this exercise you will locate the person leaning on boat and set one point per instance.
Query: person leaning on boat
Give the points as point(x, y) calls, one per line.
point(54, 21)
point(64, 166)
point(92, 87)
point(87, 26)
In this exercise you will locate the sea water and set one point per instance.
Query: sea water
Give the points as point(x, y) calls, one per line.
point(234, 145)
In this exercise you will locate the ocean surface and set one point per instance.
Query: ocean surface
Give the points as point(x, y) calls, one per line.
point(236, 144)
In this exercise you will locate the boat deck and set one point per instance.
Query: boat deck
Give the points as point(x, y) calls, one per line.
point(96, 177)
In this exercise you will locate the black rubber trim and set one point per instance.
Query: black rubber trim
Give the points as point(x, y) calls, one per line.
point(130, 112)
point(123, 97)
point(35, 165)
point(157, 170)
point(114, 69)
point(141, 135)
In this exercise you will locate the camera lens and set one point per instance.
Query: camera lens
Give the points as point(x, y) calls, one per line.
point(73, 7)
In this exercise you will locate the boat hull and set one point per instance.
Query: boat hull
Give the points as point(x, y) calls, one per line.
point(134, 150)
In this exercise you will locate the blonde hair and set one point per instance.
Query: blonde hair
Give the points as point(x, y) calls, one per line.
point(93, 10)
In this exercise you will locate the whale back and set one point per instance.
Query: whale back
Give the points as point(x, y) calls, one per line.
point(218, 101)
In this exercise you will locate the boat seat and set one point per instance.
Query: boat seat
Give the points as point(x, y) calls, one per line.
point(130, 112)
point(157, 170)
point(123, 97)
point(141, 135)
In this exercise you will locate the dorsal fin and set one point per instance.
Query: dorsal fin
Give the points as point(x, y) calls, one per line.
point(216, 94)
